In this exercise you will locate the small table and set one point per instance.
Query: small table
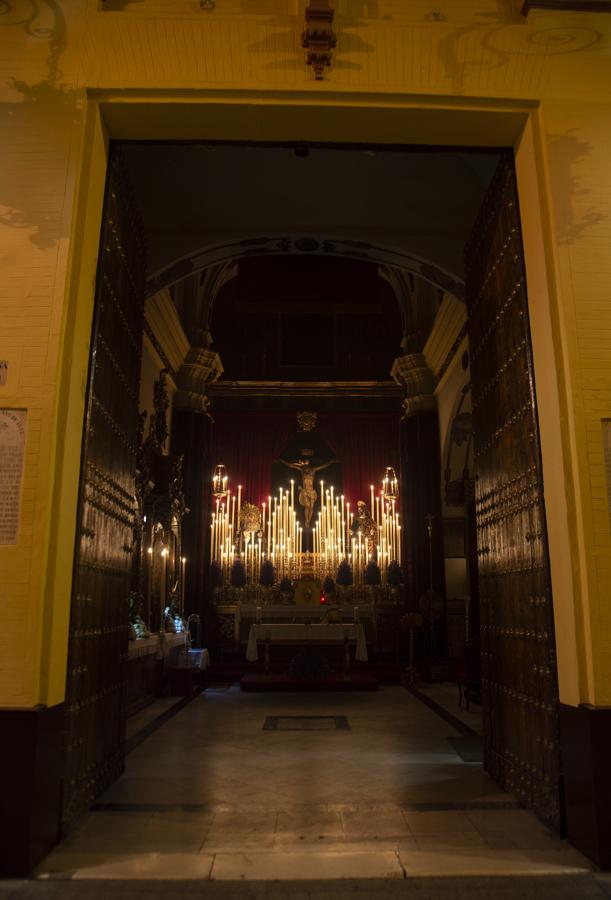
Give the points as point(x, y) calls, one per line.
point(307, 633)
point(195, 659)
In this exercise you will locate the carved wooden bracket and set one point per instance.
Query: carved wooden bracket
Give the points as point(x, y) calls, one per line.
point(318, 38)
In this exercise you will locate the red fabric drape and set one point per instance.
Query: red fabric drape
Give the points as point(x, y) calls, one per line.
point(365, 443)
point(248, 443)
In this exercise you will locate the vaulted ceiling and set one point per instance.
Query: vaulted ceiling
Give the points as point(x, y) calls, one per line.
point(203, 204)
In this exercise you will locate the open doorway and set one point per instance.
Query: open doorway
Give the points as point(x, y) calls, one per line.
point(239, 238)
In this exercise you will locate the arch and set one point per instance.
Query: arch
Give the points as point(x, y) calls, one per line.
point(293, 244)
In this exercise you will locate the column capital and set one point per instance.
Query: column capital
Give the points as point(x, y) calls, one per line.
point(413, 374)
point(200, 368)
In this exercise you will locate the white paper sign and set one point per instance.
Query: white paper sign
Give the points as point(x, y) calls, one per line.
point(12, 452)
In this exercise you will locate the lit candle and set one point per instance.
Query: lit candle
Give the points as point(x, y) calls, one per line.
point(372, 509)
point(269, 526)
point(183, 573)
point(292, 494)
point(149, 582)
point(239, 502)
point(162, 592)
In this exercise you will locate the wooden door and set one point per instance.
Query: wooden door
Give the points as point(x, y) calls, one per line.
point(520, 691)
point(99, 622)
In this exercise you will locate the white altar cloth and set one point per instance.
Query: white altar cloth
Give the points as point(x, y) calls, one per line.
point(305, 633)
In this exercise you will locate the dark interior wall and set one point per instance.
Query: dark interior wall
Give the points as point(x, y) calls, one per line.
point(306, 318)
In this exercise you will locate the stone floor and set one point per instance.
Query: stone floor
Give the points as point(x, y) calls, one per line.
point(212, 804)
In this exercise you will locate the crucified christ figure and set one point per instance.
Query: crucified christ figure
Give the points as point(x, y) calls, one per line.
point(307, 494)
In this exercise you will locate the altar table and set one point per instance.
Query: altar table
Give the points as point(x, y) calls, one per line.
point(307, 633)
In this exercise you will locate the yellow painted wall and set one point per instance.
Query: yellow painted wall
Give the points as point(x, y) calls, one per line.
point(398, 75)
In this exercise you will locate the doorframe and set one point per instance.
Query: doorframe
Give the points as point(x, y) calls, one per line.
point(307, 116)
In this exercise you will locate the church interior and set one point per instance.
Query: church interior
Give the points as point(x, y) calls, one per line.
point(306, 522)
point(305, 449)
point(278, 370)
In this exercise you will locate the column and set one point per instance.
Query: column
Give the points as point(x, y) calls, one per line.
point(420, 480)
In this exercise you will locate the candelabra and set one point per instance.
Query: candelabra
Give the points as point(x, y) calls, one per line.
point(254, 535)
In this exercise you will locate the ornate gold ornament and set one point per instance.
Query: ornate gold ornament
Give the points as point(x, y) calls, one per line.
point(250, 518)
point(307, 420)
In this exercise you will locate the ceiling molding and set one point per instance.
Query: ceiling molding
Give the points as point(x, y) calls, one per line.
point(305, 389)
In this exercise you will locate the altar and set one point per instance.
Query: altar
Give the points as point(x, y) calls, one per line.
point(307, 633)
point(375, 610)
point(309, 556)
point(300, 633)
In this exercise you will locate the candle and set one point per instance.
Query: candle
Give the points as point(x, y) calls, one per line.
point(149, 582)
point(239, 502)
point(269, 526)
point(372, 509)
point(183, 568)
point(163, 586)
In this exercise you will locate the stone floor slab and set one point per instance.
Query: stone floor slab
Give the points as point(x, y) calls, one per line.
point(304, 866)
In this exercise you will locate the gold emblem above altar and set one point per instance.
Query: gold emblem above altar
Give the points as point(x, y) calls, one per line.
point(307, 420)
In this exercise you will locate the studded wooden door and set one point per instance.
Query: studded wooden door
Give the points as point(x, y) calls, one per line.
point(520, 693)
point(99, 623)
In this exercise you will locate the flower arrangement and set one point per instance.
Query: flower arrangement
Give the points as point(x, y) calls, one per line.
point(237, 576)
point(328, 585)
point(286, 585)
point(267, 575)
point(372, 574)
point(394, 575)
point(344, 576)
